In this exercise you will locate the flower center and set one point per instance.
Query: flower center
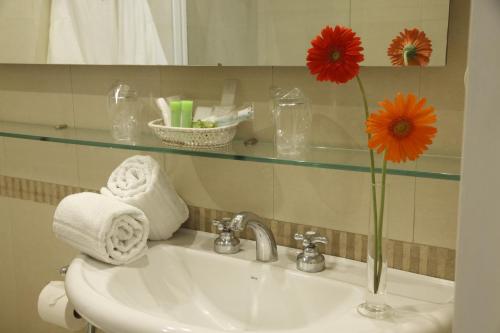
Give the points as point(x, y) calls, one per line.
point(401, 128)
point(335, 55)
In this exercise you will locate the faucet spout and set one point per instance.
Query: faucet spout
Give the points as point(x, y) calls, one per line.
point(266, 248)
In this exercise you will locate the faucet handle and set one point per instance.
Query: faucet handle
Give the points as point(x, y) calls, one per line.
point(310, 238)
point(226, 242)
point(310, 260)
point(223, 224)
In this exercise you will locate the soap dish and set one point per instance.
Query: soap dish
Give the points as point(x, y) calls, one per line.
point(194, 137)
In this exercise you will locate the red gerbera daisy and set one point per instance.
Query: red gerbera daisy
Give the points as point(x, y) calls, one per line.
point(335, 55)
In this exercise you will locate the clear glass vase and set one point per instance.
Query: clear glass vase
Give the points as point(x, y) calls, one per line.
point(124, 113)
point(292, 120)
point(375, 305)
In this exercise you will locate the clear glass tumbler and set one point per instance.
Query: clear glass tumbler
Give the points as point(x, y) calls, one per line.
point(124, 113)
point(292, 120)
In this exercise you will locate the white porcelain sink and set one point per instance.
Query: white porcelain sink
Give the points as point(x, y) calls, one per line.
point(183, 286)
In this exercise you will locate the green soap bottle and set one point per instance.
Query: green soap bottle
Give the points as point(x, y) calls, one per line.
point(187, 114)
point(175, 107)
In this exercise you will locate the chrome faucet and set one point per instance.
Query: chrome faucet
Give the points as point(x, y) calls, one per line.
point(227, 242)
point(266, 248)
point(310, 260)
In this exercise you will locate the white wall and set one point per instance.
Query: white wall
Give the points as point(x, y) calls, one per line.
point(478, 257)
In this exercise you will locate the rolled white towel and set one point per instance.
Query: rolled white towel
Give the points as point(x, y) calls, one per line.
point(101, 227)
point(140, 182)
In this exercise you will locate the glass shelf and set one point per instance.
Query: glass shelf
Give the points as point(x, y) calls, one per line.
point(428, 166)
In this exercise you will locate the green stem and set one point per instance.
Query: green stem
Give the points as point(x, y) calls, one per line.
point(379, 236)
point(376, 257)
point(373, 182)
point(372, 155)
point(363, 94)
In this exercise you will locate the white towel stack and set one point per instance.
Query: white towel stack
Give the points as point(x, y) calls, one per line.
point(103, 228)
point(139, 182)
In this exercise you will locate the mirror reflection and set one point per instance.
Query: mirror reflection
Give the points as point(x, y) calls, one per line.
point(205, 32)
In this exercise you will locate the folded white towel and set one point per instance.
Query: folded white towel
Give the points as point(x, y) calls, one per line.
point(140, 182)
point(101, 227)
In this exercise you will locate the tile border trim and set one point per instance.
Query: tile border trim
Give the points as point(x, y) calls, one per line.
point(411, 257)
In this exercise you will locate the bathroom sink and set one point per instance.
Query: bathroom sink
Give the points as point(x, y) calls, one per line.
point(181, 285)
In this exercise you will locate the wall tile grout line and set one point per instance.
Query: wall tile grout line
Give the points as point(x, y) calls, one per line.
point(408, 256)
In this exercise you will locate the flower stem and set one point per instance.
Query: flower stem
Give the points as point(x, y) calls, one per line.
point(363, 94)
point(379, 237)
point(372, 155)
point(377, 261)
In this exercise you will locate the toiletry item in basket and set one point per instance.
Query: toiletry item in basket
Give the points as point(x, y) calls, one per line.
point(187, 114)
point(232, 117)
point(203, 124)
point(175, 106)
point(165, 111)
point(222, 110)
point(202, 112)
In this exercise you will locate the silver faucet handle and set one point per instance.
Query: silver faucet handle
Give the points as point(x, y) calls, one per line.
point(223, 224)
point(310, 260)
point(226, 242)
point(310, 238)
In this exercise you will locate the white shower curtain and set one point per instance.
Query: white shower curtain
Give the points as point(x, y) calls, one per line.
point(103, 32)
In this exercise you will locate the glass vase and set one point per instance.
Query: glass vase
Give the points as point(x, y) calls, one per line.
point(124, 113)
point(292, 120)
point(375, 305)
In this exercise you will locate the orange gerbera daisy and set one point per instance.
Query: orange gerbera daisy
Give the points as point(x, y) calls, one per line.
point(403, 129)
point(410, 48)
point(335, 55)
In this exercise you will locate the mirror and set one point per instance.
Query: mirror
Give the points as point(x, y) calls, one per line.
point(205, 32)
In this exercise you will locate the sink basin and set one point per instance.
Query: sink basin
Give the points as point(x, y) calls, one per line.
point(181, 285)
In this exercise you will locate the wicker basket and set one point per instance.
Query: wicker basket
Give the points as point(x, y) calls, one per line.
point(193, 137)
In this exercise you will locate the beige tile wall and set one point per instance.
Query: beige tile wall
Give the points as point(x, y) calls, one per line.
point(2, 156)
point(223, 185)
point(422, 211)
point(30, 265)
point(7, 277)
point(40, 160)
point(40, 94)
point(340, 200)
point(436, 207)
